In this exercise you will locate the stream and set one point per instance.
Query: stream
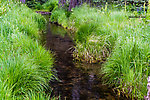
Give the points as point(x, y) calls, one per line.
point(77, 81)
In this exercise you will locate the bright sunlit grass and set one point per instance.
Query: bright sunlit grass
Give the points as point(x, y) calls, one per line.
point(25, 66)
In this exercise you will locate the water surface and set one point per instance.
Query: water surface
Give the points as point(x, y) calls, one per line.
point(78, 81)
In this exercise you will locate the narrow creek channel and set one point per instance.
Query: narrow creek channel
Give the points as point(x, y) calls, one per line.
point(78, 81)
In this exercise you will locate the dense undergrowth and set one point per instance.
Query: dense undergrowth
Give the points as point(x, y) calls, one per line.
point(25, 66)
point(110, 36)
point(44, 5)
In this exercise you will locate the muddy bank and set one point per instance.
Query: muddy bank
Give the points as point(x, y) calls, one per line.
point(78, 81)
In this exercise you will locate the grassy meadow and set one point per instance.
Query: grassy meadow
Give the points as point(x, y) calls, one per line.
point(25, 66)
point(111, 37)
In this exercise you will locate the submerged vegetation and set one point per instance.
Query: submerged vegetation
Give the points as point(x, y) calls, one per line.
point(111, 37)
point(25, 66)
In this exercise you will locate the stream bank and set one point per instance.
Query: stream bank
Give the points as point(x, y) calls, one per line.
point(77, 81)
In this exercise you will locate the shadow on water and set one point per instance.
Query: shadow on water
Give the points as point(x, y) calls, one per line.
point(78, 81)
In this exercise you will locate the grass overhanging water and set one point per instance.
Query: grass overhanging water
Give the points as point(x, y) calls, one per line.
point(25, 66)
point(121, 43)
point(111, 37)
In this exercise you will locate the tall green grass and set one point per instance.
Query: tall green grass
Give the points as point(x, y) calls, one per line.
point(109, 36)
point(25, 65)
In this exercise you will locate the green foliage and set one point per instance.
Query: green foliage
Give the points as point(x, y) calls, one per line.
point(24, 23)
point(25, 65)
point(148, 12)
point(59, 16)
point(94, 23)
point(4, 7)
point(46, 5)
point(38, 96)
point(127, 68)
point(84, 31)
point(110, 36)
point(50, 5)
point(83, 15)
point(35, 4)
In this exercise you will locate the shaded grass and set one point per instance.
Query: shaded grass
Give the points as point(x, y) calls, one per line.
point(25, 64)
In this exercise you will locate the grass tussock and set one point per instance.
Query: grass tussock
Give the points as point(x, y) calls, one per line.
point(110, 36)
point(25, 65)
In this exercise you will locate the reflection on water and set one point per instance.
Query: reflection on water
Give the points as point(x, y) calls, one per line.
point(75, 91)
point(78, 81)
point(57, 30)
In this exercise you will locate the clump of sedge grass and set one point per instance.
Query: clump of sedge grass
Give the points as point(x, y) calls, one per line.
point(25, 64)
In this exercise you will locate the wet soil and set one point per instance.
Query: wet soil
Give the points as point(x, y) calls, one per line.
point(77, 81)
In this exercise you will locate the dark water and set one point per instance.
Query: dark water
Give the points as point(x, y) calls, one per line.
point(78, 81)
